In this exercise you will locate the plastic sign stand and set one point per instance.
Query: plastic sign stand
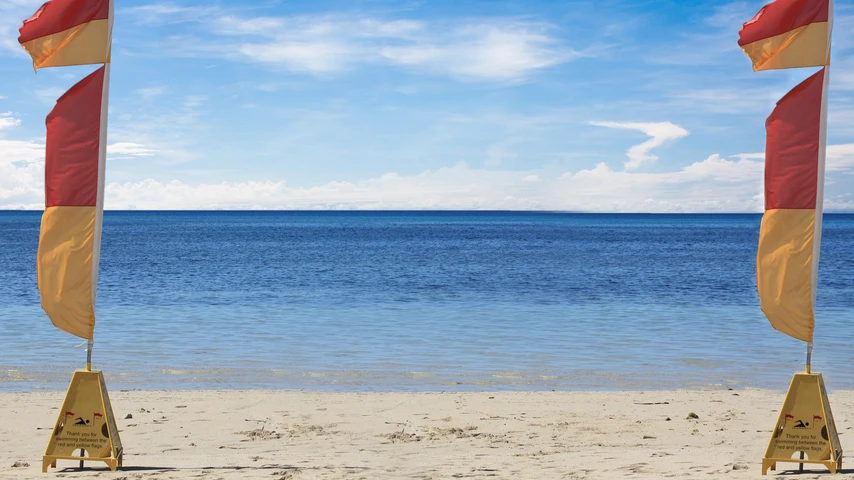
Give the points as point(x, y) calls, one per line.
point(85, 422)
point(805, 425)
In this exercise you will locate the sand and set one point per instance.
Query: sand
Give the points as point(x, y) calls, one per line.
point(312, 435)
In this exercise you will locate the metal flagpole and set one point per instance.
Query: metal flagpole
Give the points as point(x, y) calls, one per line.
point(809, 356)
point(819, 204)
point(102, 163)
point(89, 355)
point(822, 153)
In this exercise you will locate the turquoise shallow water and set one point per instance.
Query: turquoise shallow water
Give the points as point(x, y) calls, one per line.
point(361, 301)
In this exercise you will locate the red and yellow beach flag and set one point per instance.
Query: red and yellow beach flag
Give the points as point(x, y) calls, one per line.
point(68, 32)
point(65, 33)
point(790, 235)
point(792, 34)
point(788, 34)
point(70, 240)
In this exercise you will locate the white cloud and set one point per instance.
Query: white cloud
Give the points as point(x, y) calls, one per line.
point(842, 77)
point(12, 16)
point(707, 42)
point(194, 101)
point(840, 158)
point(21, 174)
point(129, 149)
point(167, 12)
point(750, 156)
point(485, 50)
point(19, 151)
point(16, 153)
point(407, 90)
point(313, 57)
point(500, 152)
point(715, 184)
point(265, 26)
point(316, 26)
point(735, 101)
point(8, 121)
point(712, 185)
point(660, 133)
point(149, 92)
point(840, 117)
point(50, 94)
point(169, 133)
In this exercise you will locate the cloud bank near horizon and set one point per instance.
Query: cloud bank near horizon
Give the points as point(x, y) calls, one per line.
point(715, 184)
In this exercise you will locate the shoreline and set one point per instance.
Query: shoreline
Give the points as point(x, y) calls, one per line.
point(55, 379)
point(231, 434)
point(403, 384)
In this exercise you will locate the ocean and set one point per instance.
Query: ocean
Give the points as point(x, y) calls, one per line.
point(424, 301)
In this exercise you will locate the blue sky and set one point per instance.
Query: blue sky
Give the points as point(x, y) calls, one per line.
point(608, 105)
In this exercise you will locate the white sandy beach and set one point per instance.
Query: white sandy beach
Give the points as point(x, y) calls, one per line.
point(308, 435)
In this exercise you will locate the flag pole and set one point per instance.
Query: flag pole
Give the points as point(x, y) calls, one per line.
point(102, 164)
point(822, 154)
point(99, 204)
point(99, 209)
point(809, 356)
point(89, 355)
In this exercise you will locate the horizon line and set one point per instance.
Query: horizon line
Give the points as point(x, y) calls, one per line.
point(557, 212)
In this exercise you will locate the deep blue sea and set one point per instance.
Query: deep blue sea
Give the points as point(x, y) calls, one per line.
point(365, 301)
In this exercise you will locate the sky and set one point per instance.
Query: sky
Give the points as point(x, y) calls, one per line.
point(593, 106)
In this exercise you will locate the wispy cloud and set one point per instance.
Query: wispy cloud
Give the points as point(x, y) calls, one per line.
point(660, 132)
point(316, 57)
point(12, 15)
point(149, 92)
point(501, 151)
point(734, 101)
point(165, 132)
point(168, 12)
point(194, 101)
point(709, 40)
point(8, 121)
point(20, 152)
point(492, 49)
point(128, 149)
point(484, 52)
point(49, 95)
point(840, 158)
point(21, 167)
point(21, 174)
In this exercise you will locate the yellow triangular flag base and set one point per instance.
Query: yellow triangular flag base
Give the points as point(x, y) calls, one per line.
point(86, 424)
point(805, 425)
